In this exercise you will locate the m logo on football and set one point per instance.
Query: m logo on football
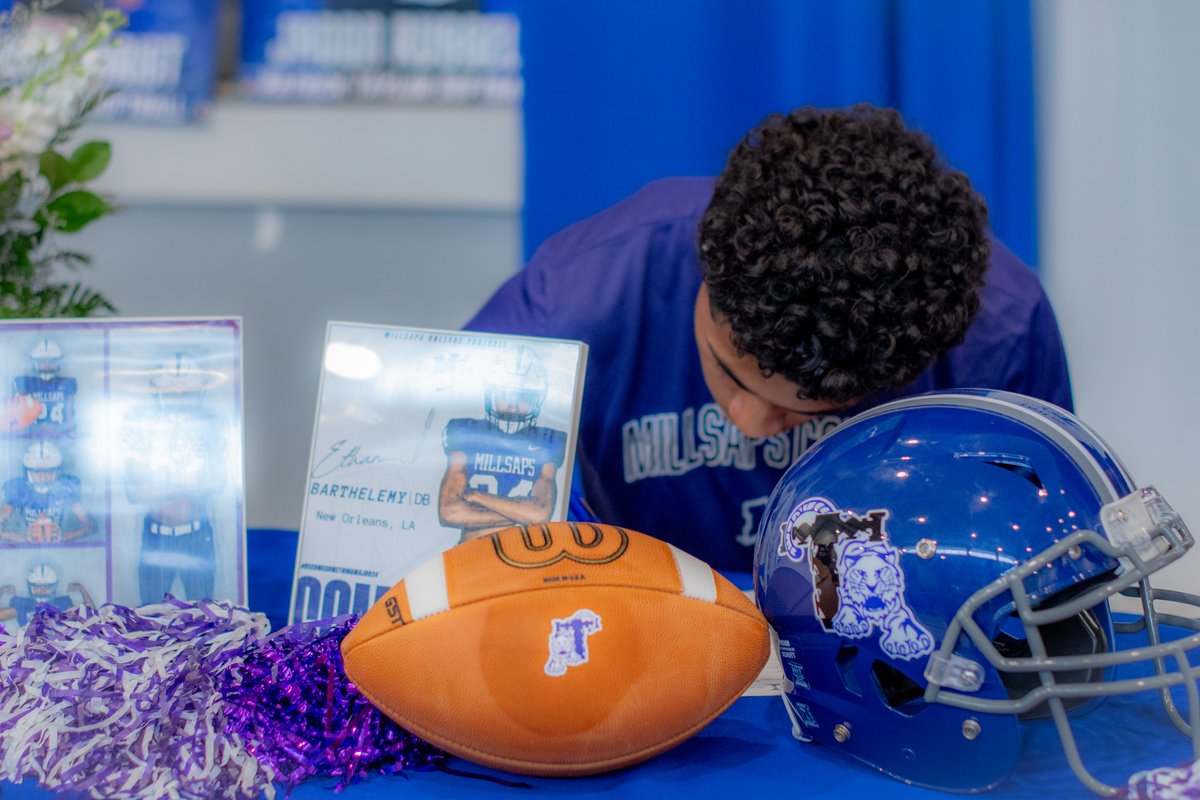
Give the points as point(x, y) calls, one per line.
point(589, 544)
point(569, 641)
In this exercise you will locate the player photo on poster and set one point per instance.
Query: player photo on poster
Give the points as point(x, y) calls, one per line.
point(424, 439)
point(120, 445)
point(177, 471)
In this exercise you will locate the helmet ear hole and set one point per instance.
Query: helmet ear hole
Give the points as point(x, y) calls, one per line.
point(897, 690)
point(847, 658)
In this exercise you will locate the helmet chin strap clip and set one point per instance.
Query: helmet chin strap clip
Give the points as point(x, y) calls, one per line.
point(1141, 521)
point(954, 672)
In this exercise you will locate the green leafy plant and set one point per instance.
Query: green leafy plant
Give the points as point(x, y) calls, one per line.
point(49, 83)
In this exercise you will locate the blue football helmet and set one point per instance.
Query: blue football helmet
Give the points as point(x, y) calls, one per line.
point(179, 383)
point(516, 389)
point(47, 358)
point(937, 570)
point(42, 581)
point(43, 465)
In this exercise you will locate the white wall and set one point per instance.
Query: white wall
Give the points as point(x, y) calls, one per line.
point(290, 218)
point(1119, 110)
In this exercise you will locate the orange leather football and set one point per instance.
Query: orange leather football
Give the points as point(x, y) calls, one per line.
point(558, 649)
point(43, 531)
point(19, 411)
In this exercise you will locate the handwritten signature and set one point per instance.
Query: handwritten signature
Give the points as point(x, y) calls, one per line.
point(344, 455)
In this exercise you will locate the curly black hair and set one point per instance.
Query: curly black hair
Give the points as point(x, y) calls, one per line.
point(842, 251)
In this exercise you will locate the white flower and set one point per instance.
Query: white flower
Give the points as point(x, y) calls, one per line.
point(47, 39)
point(49, 79)
point(32, 124)
point(65, 98)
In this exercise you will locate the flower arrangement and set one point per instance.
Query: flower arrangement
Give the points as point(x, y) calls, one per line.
point(49, 82)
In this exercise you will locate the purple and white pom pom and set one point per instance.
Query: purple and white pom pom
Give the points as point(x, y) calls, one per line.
point(292, 705)
point(120, 703)
point(1166, 783)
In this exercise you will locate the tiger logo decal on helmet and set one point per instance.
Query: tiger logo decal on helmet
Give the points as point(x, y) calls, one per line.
point(857, 579)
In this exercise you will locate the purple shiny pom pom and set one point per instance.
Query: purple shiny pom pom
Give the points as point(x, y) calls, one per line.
point(186, 700)
point(291, 704)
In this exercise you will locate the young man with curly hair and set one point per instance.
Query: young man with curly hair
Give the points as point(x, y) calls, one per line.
point(835, 263)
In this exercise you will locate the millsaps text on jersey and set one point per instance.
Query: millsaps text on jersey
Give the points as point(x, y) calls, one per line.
point(369, 494)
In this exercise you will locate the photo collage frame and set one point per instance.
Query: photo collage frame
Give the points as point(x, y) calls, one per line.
point(121, 463)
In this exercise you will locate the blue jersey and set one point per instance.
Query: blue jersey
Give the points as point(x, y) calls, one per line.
point(25, 606)
point(503, 464)
point(656, 454)
point(57, 396)
point(52, 504)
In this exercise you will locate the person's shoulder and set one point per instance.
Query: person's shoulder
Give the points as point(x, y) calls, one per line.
point(461, 433)
point(1009, 279)
point(546, 435)
point(587, 275)
point(1013, 342)
point(468, 424)
point(68, 484)
point(1011, 301)
point(669, 198)
point(664, 203)
point(551, 441)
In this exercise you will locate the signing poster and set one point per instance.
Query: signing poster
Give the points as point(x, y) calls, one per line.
point(120, 463)
point(424, 439)
point(403, 52)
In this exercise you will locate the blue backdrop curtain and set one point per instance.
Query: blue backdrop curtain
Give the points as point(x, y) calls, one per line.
point(621, 92)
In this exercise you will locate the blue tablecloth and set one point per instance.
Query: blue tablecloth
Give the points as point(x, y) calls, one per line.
point(748, 751)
